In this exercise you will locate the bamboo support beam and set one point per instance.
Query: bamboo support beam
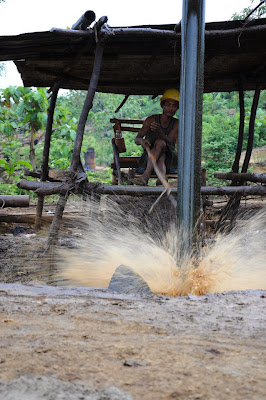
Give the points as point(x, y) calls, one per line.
point(243, 177)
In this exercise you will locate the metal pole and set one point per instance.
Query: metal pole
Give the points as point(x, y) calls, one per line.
point(190, 117)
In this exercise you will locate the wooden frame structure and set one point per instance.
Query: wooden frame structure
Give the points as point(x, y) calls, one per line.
point(98, 57)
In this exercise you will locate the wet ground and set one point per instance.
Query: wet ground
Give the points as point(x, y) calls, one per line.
point(153, 347)
point(83, 343)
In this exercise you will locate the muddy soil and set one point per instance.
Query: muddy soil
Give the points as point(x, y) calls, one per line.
point(60, 342)
point(193, 347)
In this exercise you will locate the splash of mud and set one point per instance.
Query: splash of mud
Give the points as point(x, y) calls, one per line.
point(235, 261)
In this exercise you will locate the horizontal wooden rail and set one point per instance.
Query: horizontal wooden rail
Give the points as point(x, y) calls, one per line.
point(47, 188)
point(243, 177)
point(126, 121)
point(22, 200)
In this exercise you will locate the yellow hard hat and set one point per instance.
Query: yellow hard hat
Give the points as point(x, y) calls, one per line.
point(170, 94)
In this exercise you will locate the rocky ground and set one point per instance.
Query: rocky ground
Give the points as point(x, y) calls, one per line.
point(82, 343)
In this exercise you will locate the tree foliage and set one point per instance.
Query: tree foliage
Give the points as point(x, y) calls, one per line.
point(260, 12)
point(23, 117)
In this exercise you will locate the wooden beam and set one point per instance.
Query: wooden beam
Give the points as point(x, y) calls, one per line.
point(46, 151)
point(48, 188)
point(235, 166)
point(251, 129)
point(87, 106)
point(84, 21)
point(243, 177)
point(44, 188)
point(22, 200)
point(23, 218)
point(157, 190)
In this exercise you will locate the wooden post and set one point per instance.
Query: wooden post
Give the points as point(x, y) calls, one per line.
point(235, 166)
point(46, 152)
point(54, 228)
point(251, 129)
point(230, 210)
point(76, 163)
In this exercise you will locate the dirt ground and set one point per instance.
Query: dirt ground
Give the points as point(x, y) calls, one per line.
point(61, 342)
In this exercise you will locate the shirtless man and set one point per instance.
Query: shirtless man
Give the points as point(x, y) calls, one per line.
point(159, 132)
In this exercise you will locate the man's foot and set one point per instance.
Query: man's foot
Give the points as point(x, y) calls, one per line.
point(139, 181)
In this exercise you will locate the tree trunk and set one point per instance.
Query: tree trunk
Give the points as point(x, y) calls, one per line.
point(32, 151)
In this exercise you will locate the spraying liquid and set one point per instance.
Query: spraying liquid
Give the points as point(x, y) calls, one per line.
point(235, 261)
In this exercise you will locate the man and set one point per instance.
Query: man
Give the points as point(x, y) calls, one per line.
point(159, 132)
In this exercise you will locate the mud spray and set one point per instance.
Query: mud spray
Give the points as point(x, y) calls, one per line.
point(235, 261)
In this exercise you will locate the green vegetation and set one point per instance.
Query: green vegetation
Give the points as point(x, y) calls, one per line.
point(23, 118)
point(260, 12)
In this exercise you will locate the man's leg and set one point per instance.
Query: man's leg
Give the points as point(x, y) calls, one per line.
point(158, 152)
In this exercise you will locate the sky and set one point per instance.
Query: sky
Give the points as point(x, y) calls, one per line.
point(21, 16)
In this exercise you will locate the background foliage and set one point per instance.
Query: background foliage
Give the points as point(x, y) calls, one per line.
point(23, 118)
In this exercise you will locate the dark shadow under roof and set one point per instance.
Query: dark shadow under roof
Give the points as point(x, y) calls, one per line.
point(139, 60)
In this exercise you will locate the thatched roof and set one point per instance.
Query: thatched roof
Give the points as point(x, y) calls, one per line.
point(139, 60)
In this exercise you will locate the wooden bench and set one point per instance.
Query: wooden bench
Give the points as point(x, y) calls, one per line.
point(118, 143)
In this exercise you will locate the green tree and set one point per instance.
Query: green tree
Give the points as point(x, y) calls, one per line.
point(260, 12)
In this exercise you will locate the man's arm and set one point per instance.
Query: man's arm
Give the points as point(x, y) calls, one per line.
point(143, 131)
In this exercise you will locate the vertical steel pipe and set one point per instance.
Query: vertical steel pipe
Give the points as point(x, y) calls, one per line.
point(190, 117)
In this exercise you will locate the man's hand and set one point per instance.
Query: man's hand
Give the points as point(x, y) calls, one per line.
point(145, 143)
point(154, 126)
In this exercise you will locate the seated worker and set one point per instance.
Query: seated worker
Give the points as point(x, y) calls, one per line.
point(159, 132)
